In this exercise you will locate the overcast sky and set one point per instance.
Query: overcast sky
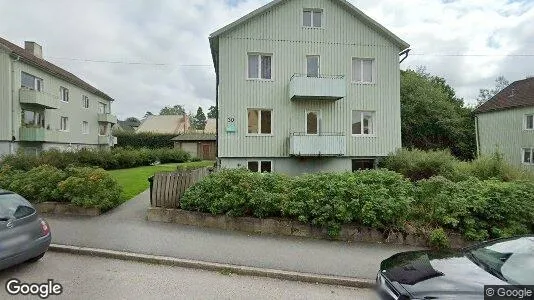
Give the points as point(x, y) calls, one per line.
point(469, 43)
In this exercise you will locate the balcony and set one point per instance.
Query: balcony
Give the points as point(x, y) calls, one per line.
point(104, 140)
point(324, 144)
point(37, 98)
point(302, 87)
point(37, 134)
point(107, 118)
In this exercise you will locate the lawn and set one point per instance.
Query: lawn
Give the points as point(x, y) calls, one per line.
point(135, 180)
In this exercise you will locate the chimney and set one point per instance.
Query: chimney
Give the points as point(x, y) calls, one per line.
point(34, 49)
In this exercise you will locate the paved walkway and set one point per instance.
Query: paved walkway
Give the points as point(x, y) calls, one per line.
point(126, 229)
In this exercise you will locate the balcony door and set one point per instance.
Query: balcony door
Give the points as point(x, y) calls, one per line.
point(313, 65)
point(313, 119)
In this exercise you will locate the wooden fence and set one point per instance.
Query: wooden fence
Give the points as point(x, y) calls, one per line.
point(167, 188)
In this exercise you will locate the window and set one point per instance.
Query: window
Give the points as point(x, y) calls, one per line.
point(363, 122)
point(103, 129)
point(264, 166)
point(312, 122)
point(64, 124)
point(527, 155)
point(259, 66)
point(14, 206)
point(85, 102)
point(31, 82)
point(31, 118)
point(312, 65)
point(64, 94)
point(362, 164)
point(312, 18)
point(259, 121)
point(102, 108)
point(85, 127)
point(529, 122)
point(363, 70)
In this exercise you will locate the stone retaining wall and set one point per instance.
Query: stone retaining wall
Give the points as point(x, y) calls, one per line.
point(350, 233)
point(67, 209)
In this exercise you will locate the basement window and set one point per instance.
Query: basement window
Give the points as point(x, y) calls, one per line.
point(264, 166)
point(527, 156)
point(362, 164)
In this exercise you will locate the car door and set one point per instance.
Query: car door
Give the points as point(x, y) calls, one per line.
point(19, 225)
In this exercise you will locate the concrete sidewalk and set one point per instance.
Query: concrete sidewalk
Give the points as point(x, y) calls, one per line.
point(125, 229)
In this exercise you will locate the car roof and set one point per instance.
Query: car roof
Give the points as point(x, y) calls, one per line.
point(3, 192)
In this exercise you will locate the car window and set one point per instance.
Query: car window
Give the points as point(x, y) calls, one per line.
point(509, 260)
point(14, 206)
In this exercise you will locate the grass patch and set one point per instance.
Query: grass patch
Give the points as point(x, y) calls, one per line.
point(135, 180)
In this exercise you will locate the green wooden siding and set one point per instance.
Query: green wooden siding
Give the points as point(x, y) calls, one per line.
point(279, 32)
point(504, 131)
point(5, 96)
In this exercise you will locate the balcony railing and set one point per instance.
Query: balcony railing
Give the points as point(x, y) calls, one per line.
point(37, 98)
point(302, 87)
point(107, 118)
point(324, 144)
point(38, 134)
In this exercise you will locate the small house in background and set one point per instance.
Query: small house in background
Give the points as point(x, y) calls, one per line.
point(201, 145)
point(167, 124)
point(126, 126)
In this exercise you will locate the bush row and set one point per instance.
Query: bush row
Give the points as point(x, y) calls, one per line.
point(117, 158)
point(418, 164)
point(86, 187)
point(144, 140)
point(381, 199)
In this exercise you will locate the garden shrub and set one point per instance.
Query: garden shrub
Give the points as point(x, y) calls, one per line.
point(37, 185)
point(418, 164)
point(90, 187)
point(438, 239)
point(144, 140)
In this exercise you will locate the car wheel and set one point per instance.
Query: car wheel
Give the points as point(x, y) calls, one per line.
point(38, 257)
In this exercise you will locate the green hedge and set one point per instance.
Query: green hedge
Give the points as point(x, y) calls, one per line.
point(87, 187)
point(144, 140)
point(382, 199)
point(117, 158)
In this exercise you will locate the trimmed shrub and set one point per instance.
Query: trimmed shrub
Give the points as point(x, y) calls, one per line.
point(144, 140)
point(91, 187)
point(37, 185)
point(417, 164)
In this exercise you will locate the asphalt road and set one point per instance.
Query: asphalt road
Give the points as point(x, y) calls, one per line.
point(125, 229)
point(84, 277)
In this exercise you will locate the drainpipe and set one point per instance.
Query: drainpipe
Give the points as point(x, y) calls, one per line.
point(477, 135)
point(13, 97)
point(404, 52)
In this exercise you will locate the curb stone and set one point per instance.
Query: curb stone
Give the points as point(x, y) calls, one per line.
point(217, 267)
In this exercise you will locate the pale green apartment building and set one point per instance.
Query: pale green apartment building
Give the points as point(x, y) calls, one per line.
point(306, 86)
point(505, 124)
point(43, 106)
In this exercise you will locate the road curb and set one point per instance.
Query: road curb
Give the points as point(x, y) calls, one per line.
point(218, 267)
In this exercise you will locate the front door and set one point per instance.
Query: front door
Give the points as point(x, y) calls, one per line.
point(205, 151)
point(312, 122)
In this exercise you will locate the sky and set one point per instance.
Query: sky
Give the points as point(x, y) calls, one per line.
point(147, 54)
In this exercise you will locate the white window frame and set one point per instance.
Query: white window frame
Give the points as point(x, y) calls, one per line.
point(85, 127)
point(259, 55)
point(259, 161)
point(66, 128)
point(523, 156)
point(362, 114)
point(373, 70)
point(318, 65)
point(107, 129)
point(525, 122)
point(313, 12)
point(36, 87)
point(62, 92)
point(259, 122)
point(319, 117)
point(85, 101)
point(102, 105)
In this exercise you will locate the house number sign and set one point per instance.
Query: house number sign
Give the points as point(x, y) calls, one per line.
point(230, 127)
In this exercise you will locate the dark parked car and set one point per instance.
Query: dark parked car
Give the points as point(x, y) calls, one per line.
point(458, 274)
point(24, 236)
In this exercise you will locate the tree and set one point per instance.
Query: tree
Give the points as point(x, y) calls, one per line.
point(175, 110)
point(199, 120)
point(212, 112)
point(433, 117)
point(486, 94)
point(148, 114)
point(133, 119)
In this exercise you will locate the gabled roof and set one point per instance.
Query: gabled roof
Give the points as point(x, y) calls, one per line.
point(48, 67)
point(518, 94)
point(168, 124)
point(351, 8)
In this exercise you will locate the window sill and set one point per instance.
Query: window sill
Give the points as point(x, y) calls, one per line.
point(528, 129)
point(313, 28)
point(63, 130)
point(259, 135)
point(63, 101)
point(362, 83)
point(260, 79)
point(364, 135)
